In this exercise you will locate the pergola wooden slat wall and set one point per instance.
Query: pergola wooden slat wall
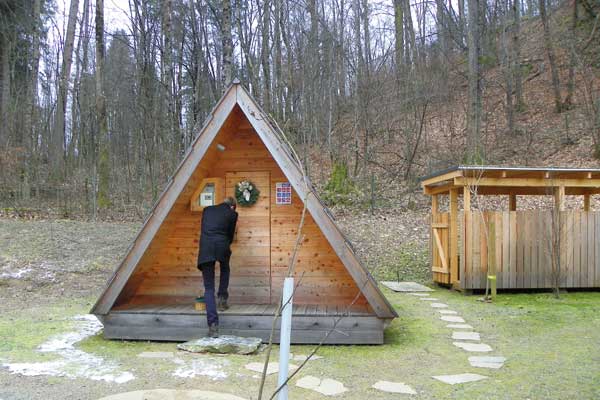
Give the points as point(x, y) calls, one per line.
point(514, 246)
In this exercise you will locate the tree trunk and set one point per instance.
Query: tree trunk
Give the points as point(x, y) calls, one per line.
point(571, 52)
point(32, 97)
point(265, 55)
point(516, 58)
point(227, 45)
point(5, 84)
point(58, 148)
point(551, 57)
point(474, 151)
point(399, 36)
point(507, 69)
point(103, 156)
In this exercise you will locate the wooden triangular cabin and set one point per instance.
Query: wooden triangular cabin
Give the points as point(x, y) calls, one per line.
point(152, 293)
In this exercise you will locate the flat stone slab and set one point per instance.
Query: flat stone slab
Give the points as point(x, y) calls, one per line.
point(327, 387)
point(224, 344)
point(444, 311)
point(406, 286)
point(429, 299)
point(419, 294)
point(394, 387)
point(272, 368)
point(302, 357)
point(156, 354)
point(460, 378)
point(461, 335)
point(439, 305)
point(452, 318)
point(171, 394)
point(473, 347)
point(459, 326)
point(487, 362)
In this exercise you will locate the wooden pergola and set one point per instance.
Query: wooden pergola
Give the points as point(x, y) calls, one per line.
point(512, 244)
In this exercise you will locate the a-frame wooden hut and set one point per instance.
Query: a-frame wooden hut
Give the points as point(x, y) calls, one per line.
point(151, 294)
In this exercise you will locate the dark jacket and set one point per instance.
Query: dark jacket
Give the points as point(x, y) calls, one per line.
point(216, 233)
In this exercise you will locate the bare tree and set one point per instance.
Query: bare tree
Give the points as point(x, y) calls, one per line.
point(58, 134)
point(558, 106)
point(474, 148)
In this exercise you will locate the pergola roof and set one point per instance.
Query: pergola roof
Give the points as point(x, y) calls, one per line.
point(498, 180)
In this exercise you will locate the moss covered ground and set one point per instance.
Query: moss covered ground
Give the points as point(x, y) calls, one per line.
point(552, 348)
point(552, 345)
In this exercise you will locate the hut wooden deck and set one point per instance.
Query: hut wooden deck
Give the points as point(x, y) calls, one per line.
point(152, 292)
point(519, 247)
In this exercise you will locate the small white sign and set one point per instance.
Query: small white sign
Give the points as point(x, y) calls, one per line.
point(283, 191)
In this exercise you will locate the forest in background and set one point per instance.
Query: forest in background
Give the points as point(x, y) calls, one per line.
point(372, 93)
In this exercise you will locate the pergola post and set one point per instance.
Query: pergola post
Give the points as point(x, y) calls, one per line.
point(453, 235)
point(586, 202)
point(559, 198)
point(512, 202)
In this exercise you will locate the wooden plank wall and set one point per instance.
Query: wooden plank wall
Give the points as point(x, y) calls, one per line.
point(522, 249)
point(436, 260)
point(168, 272)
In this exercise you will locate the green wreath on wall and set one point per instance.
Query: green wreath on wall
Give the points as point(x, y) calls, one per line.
point(246, 193)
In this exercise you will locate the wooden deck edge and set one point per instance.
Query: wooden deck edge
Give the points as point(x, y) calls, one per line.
point(305, 330)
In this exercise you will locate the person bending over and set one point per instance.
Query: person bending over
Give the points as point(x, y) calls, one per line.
point(216, 235)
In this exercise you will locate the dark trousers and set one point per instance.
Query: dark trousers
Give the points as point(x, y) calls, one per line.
point(208, 275)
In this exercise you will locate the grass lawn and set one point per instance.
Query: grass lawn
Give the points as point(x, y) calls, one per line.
point(552, 346)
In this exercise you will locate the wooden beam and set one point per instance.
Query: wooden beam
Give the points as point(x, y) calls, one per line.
point(512, 202)
point(438, 189)
point(559, 198)
point(441, 178)
point(586, 202)
point(453, 235)
point(527, 182)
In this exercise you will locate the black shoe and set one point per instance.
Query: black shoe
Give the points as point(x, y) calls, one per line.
point(213, 331)
point(222, 304)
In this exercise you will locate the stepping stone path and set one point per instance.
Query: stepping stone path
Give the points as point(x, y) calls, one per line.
point(466, 336)
point(327, 387)
point(459, 326)
point(473, 347)
point(439, 305)
point(452, 318)
point(460, 378)
point(156, 354)
point(393, 387)
point(487, 362)
point(406, 287)
point(272, 368)
point(456, 322)
point(302, 357)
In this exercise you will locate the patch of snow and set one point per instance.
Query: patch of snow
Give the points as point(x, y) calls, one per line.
point(18, 274)
point(208, 367)
point(75, 363)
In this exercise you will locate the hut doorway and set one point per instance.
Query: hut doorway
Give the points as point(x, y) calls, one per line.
point(251, 259)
